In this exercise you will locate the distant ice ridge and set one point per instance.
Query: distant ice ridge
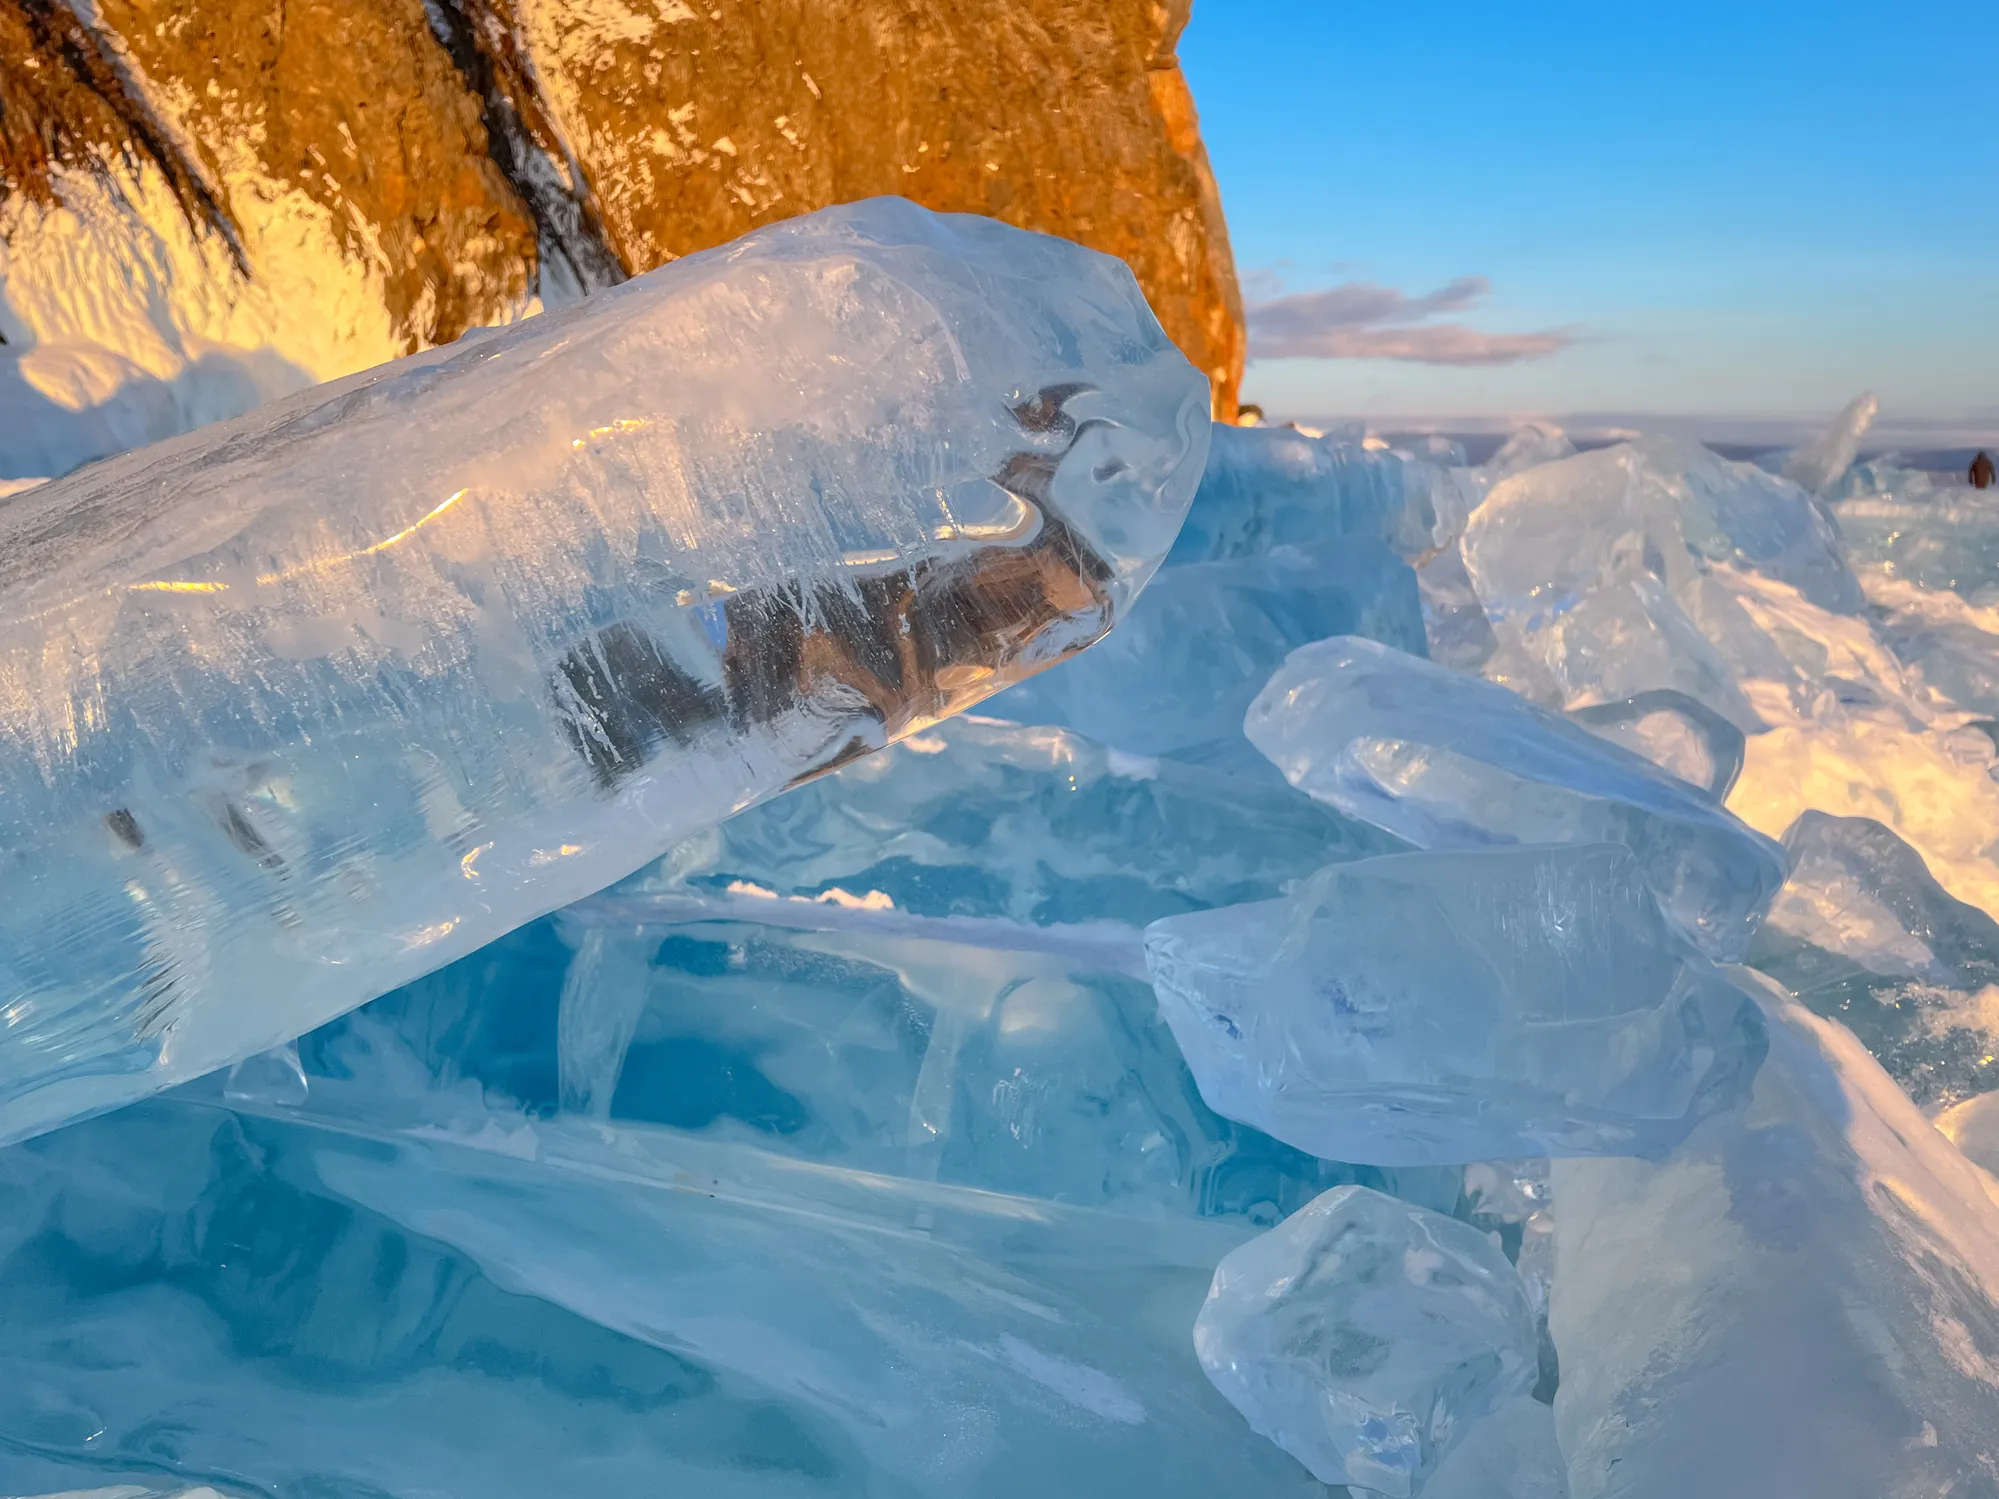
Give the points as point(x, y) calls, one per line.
point(297, 708)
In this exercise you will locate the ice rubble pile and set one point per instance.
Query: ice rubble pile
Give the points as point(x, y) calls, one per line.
point(1264, 1058)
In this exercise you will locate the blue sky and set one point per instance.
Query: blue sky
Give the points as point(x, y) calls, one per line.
point(1732, 210)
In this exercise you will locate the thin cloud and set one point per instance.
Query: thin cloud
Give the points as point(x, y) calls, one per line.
point(1364, 320)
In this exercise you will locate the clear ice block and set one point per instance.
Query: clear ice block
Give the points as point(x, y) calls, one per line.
point(1684, 738)
point(1044, 1073)
point(928, 963)
point(1365, 1335)
point(1472, 1005)
point(1527, 447)
point(1289, 539)
point(1447, 761)
point(298, 707)
point(1176, 677)
point(1821, 464)
point(1269, 487)
point(1863, 933)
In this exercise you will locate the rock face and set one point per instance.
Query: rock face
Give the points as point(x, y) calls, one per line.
point(352, 105)
point(696, 120)
point(204, 204)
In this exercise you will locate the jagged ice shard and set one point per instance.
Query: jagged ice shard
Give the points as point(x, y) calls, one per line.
point(1447, 761)
point(299, 707)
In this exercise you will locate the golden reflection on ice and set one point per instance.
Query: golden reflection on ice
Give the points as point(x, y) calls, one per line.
point(318, 565)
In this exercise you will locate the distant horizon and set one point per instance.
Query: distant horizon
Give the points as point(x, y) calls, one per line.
point(1888, 435)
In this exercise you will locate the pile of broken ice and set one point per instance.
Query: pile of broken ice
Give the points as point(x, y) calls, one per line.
point(1303, 1039)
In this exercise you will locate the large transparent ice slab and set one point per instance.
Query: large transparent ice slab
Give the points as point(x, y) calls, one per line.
point(1800, 1301)
point(1528, 446)
point(300, 706)
point(927, 963)
point(1447, 761)
point(1821, 464)
point(367, 1302)
point(1365, 1336)
point(1685, 738)
point(1046, 1073)
point(1461, 1006)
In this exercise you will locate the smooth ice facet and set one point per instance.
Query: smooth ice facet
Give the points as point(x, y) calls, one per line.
point(300, 706)
point(1268, 487)
point(1684, 738)
point(1365, 1336)
point(1862, 933)
point(1509, 1453)
point(1454, 624)
point(1447, 761)
point(1799, 1301)
point(1460, 1006)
